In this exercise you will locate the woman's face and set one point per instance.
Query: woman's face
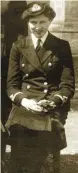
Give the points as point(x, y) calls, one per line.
point(39, 25)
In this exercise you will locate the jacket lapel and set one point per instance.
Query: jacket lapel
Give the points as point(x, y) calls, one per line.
point(29, 52)
point(44, 54)
point(46, 51)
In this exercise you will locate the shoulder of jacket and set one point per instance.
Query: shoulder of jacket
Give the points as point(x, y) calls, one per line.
point(21, 42)
point(59, 40)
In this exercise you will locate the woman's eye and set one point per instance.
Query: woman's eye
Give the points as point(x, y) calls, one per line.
point(33, 22)
point(42, 22)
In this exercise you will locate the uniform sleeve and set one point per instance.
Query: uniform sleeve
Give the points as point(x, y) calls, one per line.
point(67, 80)
point(14, 76)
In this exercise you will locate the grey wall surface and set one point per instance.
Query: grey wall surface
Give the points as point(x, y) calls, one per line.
point(68, 30)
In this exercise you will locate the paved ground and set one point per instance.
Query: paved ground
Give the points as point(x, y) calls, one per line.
point(72, 133)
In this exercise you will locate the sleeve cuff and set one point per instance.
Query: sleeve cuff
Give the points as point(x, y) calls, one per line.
point(63, 98)
point(59, 100)
point(17, 97)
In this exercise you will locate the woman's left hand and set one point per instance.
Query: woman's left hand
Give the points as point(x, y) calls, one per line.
point(46, 104)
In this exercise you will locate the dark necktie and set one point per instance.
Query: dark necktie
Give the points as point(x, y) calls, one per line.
point(38, 46)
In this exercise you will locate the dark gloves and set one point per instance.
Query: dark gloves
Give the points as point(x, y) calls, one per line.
point(46, 104)
point(57, 100)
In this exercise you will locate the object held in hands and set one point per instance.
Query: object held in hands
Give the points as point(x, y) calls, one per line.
point(49, 105)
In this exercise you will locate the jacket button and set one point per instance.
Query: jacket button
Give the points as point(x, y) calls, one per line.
point(45, 91)
point(26, 74)
point(44, 74)
point(45, 83)
point(23, 65)
point(49, 64)
point(28, 86)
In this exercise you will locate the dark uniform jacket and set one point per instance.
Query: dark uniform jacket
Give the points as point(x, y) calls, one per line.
point(39, 77)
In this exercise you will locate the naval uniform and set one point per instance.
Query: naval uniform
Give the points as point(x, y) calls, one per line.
point(48, 75)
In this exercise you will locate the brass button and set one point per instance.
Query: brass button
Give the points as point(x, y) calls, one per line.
point(23, 65)
point(28, 86)
point(45, 83)
point(49, 64)
point(45, 91)
point(26, 74)
point(44, 74)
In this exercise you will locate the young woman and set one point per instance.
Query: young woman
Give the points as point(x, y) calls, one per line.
point(40, 84)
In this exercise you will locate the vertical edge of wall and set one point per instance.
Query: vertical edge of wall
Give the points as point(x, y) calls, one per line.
point(68, 30)
point(71, 34)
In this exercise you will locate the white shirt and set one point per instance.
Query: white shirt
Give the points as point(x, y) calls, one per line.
point(35, 39)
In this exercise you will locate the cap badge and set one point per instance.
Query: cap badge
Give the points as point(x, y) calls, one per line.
point(35, 8)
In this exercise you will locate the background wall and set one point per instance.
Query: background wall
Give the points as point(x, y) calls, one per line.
point(67, 28)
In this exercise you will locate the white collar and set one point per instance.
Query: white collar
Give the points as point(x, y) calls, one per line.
point(35, 39)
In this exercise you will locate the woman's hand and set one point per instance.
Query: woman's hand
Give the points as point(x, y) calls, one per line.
point(31, 105)
point(44, 103)
point(49, 105)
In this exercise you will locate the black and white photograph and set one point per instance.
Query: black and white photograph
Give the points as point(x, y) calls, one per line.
point(39, 86)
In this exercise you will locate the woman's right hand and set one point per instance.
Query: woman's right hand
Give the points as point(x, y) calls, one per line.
point(31, 105)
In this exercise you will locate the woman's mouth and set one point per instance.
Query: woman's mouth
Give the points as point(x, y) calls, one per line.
point(39, 32)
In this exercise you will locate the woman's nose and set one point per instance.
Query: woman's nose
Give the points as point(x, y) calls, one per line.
point(38, 26)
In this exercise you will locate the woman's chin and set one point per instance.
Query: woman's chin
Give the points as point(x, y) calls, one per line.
point(38, 35)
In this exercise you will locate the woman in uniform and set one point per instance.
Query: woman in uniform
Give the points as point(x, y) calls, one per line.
point(40, 85)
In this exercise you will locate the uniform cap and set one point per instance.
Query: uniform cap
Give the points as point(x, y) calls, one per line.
point(37, 8)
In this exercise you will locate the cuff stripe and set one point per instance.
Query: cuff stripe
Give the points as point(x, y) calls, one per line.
point(12, 97)
point(63, 98)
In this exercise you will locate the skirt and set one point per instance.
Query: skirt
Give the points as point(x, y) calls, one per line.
point(30, 149)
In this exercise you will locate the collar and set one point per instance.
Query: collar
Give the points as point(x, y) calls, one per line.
point(35, 39)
